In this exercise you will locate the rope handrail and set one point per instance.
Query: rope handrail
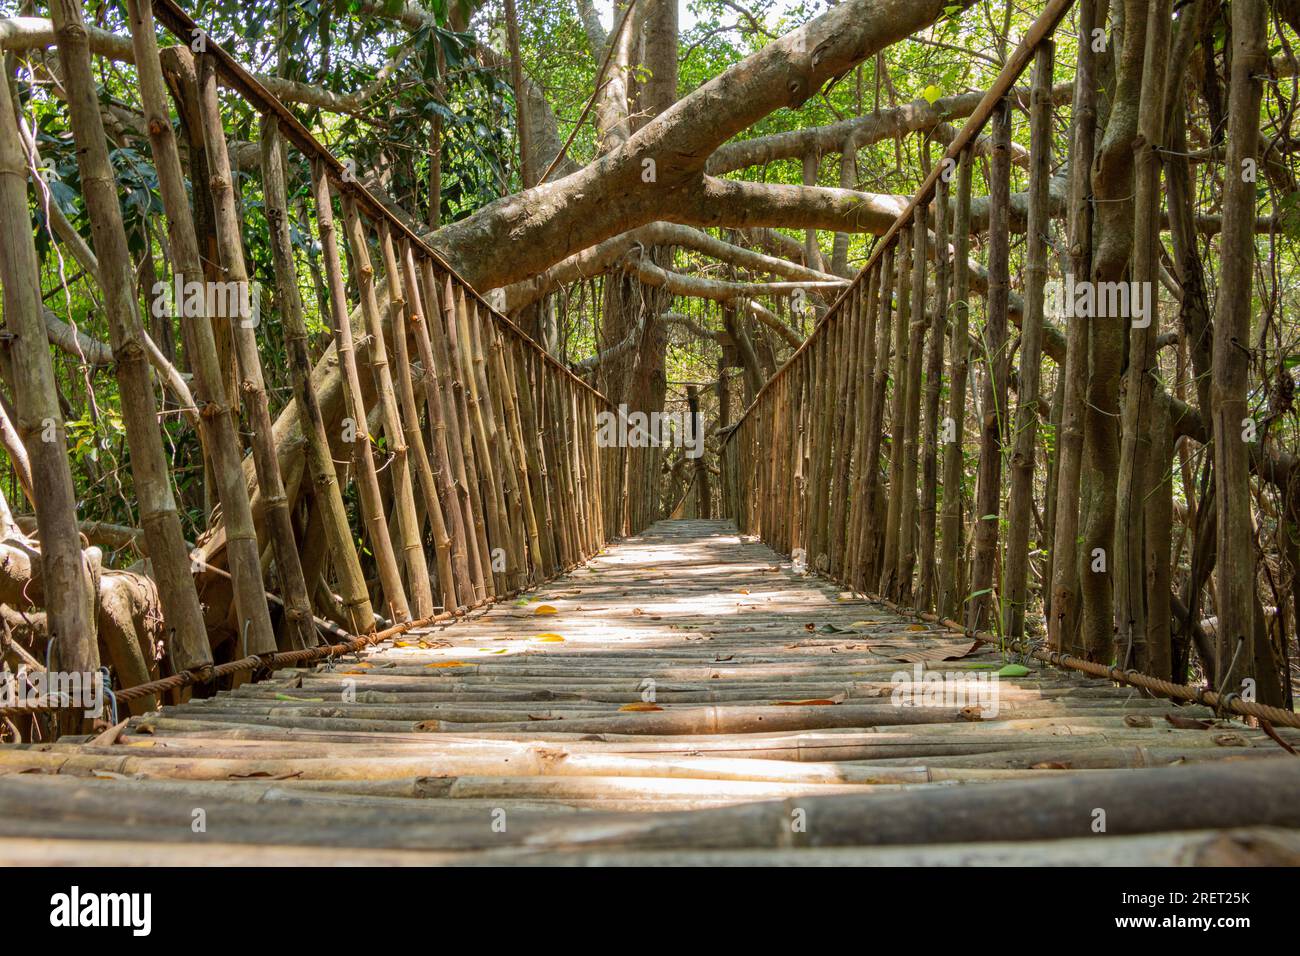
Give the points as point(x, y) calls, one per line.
point(1205, 696)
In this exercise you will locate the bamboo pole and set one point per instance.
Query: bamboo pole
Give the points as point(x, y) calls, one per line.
point(255, 631)
point(1235, 566)
point(216, 416)
point(988, 492)
point(153, 492)
point(445, 489)
point(928, 574)
point(893, 515)
point(329, 508)
point(867, 566)
point(355, 419)
point(404, 310)
point(408, 527)
point(917, 323)
point(66, 576)
point(465, 453)
point(1062, 624)
point(1020, 498)
point(465, 357)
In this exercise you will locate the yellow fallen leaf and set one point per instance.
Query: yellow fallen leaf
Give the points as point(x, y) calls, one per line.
point(917, 627)
point(862, 624)
point(549, 638)
point(544, 609)
point(500, 650)
point(639, 708)
point(447, 664)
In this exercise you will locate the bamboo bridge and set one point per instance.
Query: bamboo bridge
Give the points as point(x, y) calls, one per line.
point(542, 670)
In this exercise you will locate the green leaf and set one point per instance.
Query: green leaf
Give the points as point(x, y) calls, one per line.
point(931, 93)
point(1013, 670)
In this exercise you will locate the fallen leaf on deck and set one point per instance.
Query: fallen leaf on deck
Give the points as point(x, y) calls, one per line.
point(549, 639)
point(447, 664)
point(951, 652)
point(1013, 670)
point(638, 708)
point(545, 609)
point(1188, 723)
point(1231, 740)
point(917, 627)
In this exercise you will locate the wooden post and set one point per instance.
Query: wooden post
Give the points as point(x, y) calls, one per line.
point(906, 559)
point(897, 414)
point(328, 496)
point(215, 414)
point(450, 503)
point(403, 308)
point(988, 493)
point(1062, 623)
point(256, 633)
point(408, 527)
point(153, 491)
point(354, 423)
point(1235, 544)
point(66, 577)
point(928, 575)
point(868, 568)
point(951, 596)
point(1020, 500)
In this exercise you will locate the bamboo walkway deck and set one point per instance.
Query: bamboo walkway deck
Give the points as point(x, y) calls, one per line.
point(690, 700)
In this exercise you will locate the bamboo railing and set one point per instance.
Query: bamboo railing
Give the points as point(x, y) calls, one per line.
point(833, 466)
point(473, 451)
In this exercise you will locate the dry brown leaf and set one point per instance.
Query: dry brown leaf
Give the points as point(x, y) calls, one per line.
point(1188, 723)
point(639, 707)
point(950, 652)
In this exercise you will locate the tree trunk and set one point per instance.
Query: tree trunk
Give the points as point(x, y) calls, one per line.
point(988, 493)
point(1020, 499)
point(70, 618)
